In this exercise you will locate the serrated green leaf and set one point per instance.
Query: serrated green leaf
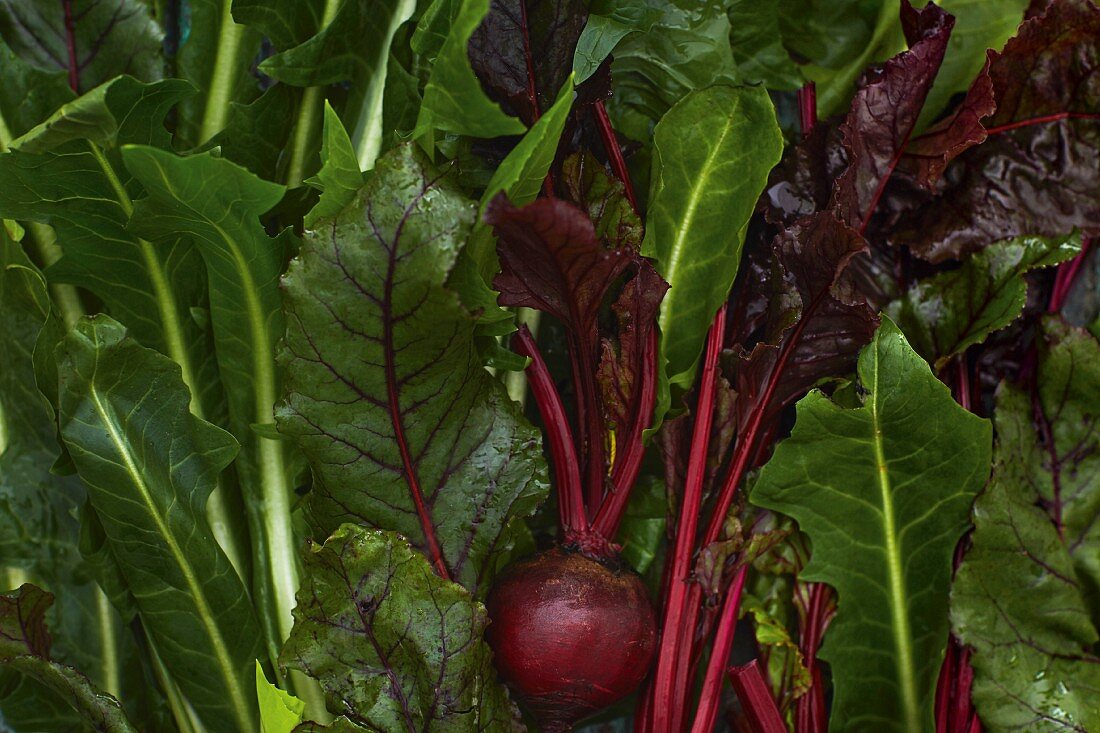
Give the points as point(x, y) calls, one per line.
point(1026, 596)
point(218, 204)
point(713, 153)
point(397, 646)
point(149, 466)
point(945, 314)
point(339, 178)
point(106, 38)
point(883, 491)
point(453, 98)
point(280, 711)
point(25, 646)
point(385, 393)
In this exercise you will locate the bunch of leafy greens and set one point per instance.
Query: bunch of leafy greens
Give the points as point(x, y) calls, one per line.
point(263, 440)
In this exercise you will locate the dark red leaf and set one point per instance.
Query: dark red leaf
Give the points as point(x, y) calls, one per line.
point(519, 38)
point(885, 110)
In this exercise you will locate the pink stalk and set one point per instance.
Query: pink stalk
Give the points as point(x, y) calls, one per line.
point(629, 461)
point(1064, 278)
point(756, 699)
point(711, 697)
point(674, 651)
point(562, 449)
point(807, 108)
point(614, 152)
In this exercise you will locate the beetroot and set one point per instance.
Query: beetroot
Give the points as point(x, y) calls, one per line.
point(571, 635)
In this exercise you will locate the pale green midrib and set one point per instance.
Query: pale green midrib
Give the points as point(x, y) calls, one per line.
point(241, 708)
point(221, 80)
point(172, 332)
point(686, 221)
point(897, 594)
point(308, 114)
point(182, 712)
point(273, 484)
point(367, 137)
point(112, 679)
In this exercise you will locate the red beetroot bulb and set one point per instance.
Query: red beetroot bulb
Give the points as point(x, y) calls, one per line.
point(570, 635)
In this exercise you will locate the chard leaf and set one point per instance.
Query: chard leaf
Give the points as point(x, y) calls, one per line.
point(393, 645)
point(385, 391)
point(713, 152)
point(756, 42)
point(28, 93)
point(25, 646)
point(149, 466)
point(453, 98)
point(218, 204)
point(609, 21)
point(515, 31)
point(91, 40)
point(945, 314)
point(885, 111)
point(1026, 596)
point(339, 178)
point(280, 711)
point(1040, 178)
point(883, 491)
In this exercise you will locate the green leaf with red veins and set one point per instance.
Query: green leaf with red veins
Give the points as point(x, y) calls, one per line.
point(1026, 597)
point(385, 392)
point(90, 40)
point(25, 646)
point(883, 492)
point(394, 646)
point(945, 314)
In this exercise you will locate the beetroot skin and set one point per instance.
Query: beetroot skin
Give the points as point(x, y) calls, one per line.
point(570, 635)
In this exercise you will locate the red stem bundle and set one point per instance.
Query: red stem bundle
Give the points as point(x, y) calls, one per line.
point(757, 702)
point(711, 697)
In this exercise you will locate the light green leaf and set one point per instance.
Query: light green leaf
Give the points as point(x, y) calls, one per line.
point(979, 25)
point(339, 178)
point(25, 646)
point(149, 466)
point(713, 153)
point(218, 204)
point(608, 23)
point(453, 98)
point(399, 647)
point(280, 711)
point(1026, 596)
point(520, 177)
point(386, 395)
point(883, 491)
point(945, 314)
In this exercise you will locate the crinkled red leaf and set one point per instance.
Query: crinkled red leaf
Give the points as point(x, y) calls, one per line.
point(885, 110)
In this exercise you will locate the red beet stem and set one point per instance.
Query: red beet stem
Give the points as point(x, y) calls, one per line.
point(676, 639)
point(629, 462)
point(562, 449)
point(614, 152)
point(756, 699)
point(709, 701)
point(807, 108)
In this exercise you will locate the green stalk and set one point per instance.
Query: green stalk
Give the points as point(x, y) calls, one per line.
point(309, 113)
point(217, 508)
point(225, 70)
point(367, 137)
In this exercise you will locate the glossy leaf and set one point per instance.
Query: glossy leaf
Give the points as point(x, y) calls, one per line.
point(1025, 597)
point(25, 646)
point(453, 99)
point(385, 391)
point(757, 44)
point(217, 204)
point(713, 152)
point(393, 645)
point(339, 178)
point(90, 40)
point(883, 491)
point(608, 23)
point(945, 314)
point(149, 466)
